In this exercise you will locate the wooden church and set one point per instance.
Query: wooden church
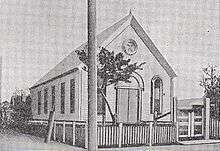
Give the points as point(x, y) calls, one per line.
point(148, 96)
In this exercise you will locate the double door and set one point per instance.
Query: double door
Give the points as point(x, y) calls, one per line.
point(128, 106)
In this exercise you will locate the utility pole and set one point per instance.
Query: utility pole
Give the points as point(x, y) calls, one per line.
point(1, 78)
point(92, 77)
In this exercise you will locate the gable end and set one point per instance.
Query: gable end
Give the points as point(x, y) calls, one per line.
point(153, 49)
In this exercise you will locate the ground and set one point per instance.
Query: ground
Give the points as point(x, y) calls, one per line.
point(14, 141)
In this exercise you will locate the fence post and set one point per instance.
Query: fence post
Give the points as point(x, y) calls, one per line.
point(86, 135)
point(54, 131)
point(173, 109)
point(64, 134)
point(193, 123)
point(74, 131)
point(189, 123)
point(207, 117)
point(177, 131)
point(120, 135)
point(203, 121)
point(151, 134)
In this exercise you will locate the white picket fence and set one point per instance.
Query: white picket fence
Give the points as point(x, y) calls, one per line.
point(116, 135)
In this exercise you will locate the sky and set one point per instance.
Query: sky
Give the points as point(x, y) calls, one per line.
point(35, 35)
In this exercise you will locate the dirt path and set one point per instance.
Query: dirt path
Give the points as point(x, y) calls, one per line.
point(14, 141)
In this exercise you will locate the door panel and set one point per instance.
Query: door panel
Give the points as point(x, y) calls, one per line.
point(127, 107)
point(133, 105)
point(122, 105)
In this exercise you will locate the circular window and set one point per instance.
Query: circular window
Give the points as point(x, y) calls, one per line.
point(129, 46)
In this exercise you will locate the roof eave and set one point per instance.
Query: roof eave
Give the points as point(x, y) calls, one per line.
point(54, 78)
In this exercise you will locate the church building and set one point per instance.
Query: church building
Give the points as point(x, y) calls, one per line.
point(149, 94)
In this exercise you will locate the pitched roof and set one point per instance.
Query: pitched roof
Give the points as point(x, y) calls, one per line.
point(189, 103)
point(72, 61)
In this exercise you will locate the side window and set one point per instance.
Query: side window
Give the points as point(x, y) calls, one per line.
point(62, 103)
point(39, 102)
point(156, 95)
point(53, 93)
point(72, 96)
point(45, 100)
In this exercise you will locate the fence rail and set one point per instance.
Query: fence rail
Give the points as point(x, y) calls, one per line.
point(115, 135)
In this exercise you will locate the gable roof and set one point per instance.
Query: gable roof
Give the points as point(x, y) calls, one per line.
point(71, 62)
point(189, 103)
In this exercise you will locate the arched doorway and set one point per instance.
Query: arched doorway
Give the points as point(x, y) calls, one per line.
point(128, 100)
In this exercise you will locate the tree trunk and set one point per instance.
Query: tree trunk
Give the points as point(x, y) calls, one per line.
point(109, 108)
point(103, 107)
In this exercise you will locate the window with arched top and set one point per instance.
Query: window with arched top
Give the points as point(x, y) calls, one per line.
point(156, 95)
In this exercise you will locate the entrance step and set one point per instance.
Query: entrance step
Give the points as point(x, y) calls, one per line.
point(197, 142)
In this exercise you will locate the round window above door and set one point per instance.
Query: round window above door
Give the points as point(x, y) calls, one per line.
point(129, 46)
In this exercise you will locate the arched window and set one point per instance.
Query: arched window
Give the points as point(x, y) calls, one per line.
point(156, 95)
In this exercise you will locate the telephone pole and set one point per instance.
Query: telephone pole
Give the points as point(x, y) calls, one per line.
point(1, 79)
point(92, 77)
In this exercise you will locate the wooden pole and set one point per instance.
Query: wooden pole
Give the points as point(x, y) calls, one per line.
point(92, 77)
point(177, 131)
point(74, 132)
point(64, 132)
point(151, 134)
point(50, 126)
point(207, 117)
point(120, 135)
point(54, 131)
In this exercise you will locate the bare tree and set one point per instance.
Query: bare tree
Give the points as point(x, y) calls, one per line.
point(211, 84)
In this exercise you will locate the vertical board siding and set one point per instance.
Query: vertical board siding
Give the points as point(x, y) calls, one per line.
point(164, 134)
point(135, 134)
point(214, 128)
